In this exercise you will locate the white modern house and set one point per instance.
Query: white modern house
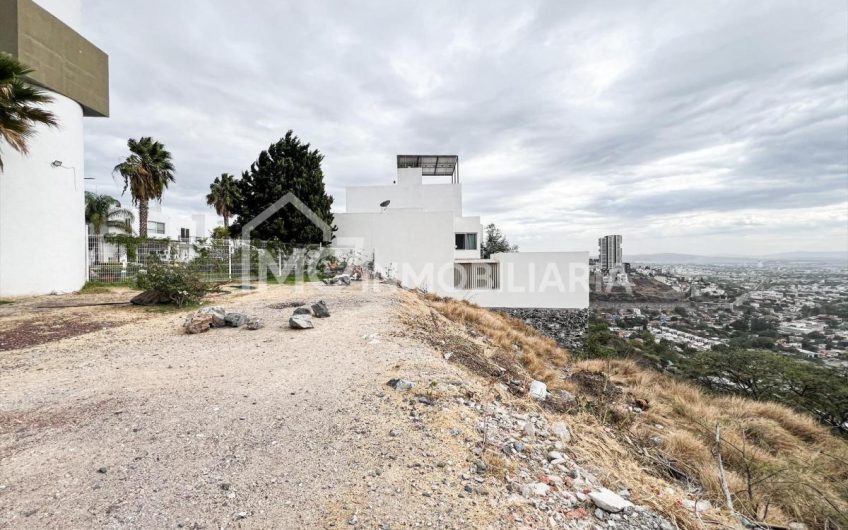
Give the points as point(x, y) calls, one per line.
point(42, 212)
point(418, 234)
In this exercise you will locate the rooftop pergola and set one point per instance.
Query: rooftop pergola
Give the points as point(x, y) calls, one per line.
point(432, 165)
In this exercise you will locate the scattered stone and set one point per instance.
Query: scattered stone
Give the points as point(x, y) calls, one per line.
point(555, 455)
point(235, 320)
point(538, 390)
point(400, 384)
point(241, 515)
point(151, 297)
point(303, 311)
point(566, 326)
point(102, 470)
point(608, 500)
point(561, 430)
point(300, 322)
point(197, 323)
point(253, 323)
point(320, 309)
point(218, 315)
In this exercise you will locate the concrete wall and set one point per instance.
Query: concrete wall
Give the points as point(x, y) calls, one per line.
point(413, 246)
point(408, 192)
point(536, 279)
point(42, 213)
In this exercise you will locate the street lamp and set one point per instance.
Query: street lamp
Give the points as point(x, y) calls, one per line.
point(58, 163)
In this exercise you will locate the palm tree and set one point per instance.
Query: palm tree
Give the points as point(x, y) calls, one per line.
point(223, 193)
point(147, 172)
point(19, 105)
point(105, 211)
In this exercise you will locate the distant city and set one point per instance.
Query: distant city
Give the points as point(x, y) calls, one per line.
point(796, 305)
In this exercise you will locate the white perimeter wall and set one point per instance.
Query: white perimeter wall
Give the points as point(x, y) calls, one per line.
point(42, 215)
point(556, 280)
point(418, 246)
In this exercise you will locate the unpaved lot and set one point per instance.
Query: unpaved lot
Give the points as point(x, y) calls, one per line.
point(142, 426)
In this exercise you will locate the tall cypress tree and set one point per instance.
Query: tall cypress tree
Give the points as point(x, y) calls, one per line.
point(287, 166)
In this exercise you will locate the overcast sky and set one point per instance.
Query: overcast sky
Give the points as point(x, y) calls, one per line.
point(701, 127)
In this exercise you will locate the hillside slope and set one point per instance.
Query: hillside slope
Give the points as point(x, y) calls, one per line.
point(657, 436)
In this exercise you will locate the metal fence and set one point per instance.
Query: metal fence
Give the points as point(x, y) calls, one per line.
point(114, 259)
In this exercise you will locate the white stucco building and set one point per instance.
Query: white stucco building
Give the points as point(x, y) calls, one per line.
point(419, 235)
point(42, 213)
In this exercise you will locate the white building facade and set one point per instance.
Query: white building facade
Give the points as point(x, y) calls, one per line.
point(42, 207)
point(420, 236)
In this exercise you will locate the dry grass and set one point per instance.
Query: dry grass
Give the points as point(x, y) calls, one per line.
point(781, 466)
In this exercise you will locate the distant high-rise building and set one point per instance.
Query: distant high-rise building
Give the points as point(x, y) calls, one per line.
point(609, 252)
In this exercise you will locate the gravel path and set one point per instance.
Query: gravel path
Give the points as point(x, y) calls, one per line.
point(142, 426)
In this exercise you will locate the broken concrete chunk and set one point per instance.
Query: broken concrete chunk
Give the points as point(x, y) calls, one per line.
point(320, 309)
point(300, 322)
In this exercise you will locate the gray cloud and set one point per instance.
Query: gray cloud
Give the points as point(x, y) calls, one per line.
point(661, 120)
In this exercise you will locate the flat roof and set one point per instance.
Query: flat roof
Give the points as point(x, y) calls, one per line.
point(431, 165)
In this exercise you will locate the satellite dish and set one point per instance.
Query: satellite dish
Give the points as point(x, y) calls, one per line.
point(384, 204)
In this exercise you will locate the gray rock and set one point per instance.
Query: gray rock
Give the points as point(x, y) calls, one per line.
point(400, 384)
point(303, 311)
point(218, 315)
point(235, 320)
point(320, 309)
point(300, 322)
point(253, 323)
point(566, 326)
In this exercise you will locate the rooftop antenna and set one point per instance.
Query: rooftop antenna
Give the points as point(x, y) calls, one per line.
point(384, 205)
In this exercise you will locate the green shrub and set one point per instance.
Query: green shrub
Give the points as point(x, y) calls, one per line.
point(175, 281)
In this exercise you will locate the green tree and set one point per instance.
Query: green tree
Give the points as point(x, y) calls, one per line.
point(105, 211)
point(146, 172)
point(495, 242)
point(223, 193)
point(20, 105)
point(287, 166)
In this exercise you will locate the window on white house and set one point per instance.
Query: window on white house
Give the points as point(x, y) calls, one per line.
point(185, 235)
point(155, 227)
point(466, 241)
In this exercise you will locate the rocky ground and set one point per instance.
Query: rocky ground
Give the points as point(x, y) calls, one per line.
point(145, 426)
point(566, 326)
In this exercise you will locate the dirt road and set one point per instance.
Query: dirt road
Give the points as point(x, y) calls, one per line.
point(142, 426)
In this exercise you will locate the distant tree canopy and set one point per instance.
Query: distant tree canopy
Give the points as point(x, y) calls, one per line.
point(495, 242)
point(287, 166)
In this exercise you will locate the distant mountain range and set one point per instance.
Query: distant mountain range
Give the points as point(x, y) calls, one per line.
point(667, 258)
